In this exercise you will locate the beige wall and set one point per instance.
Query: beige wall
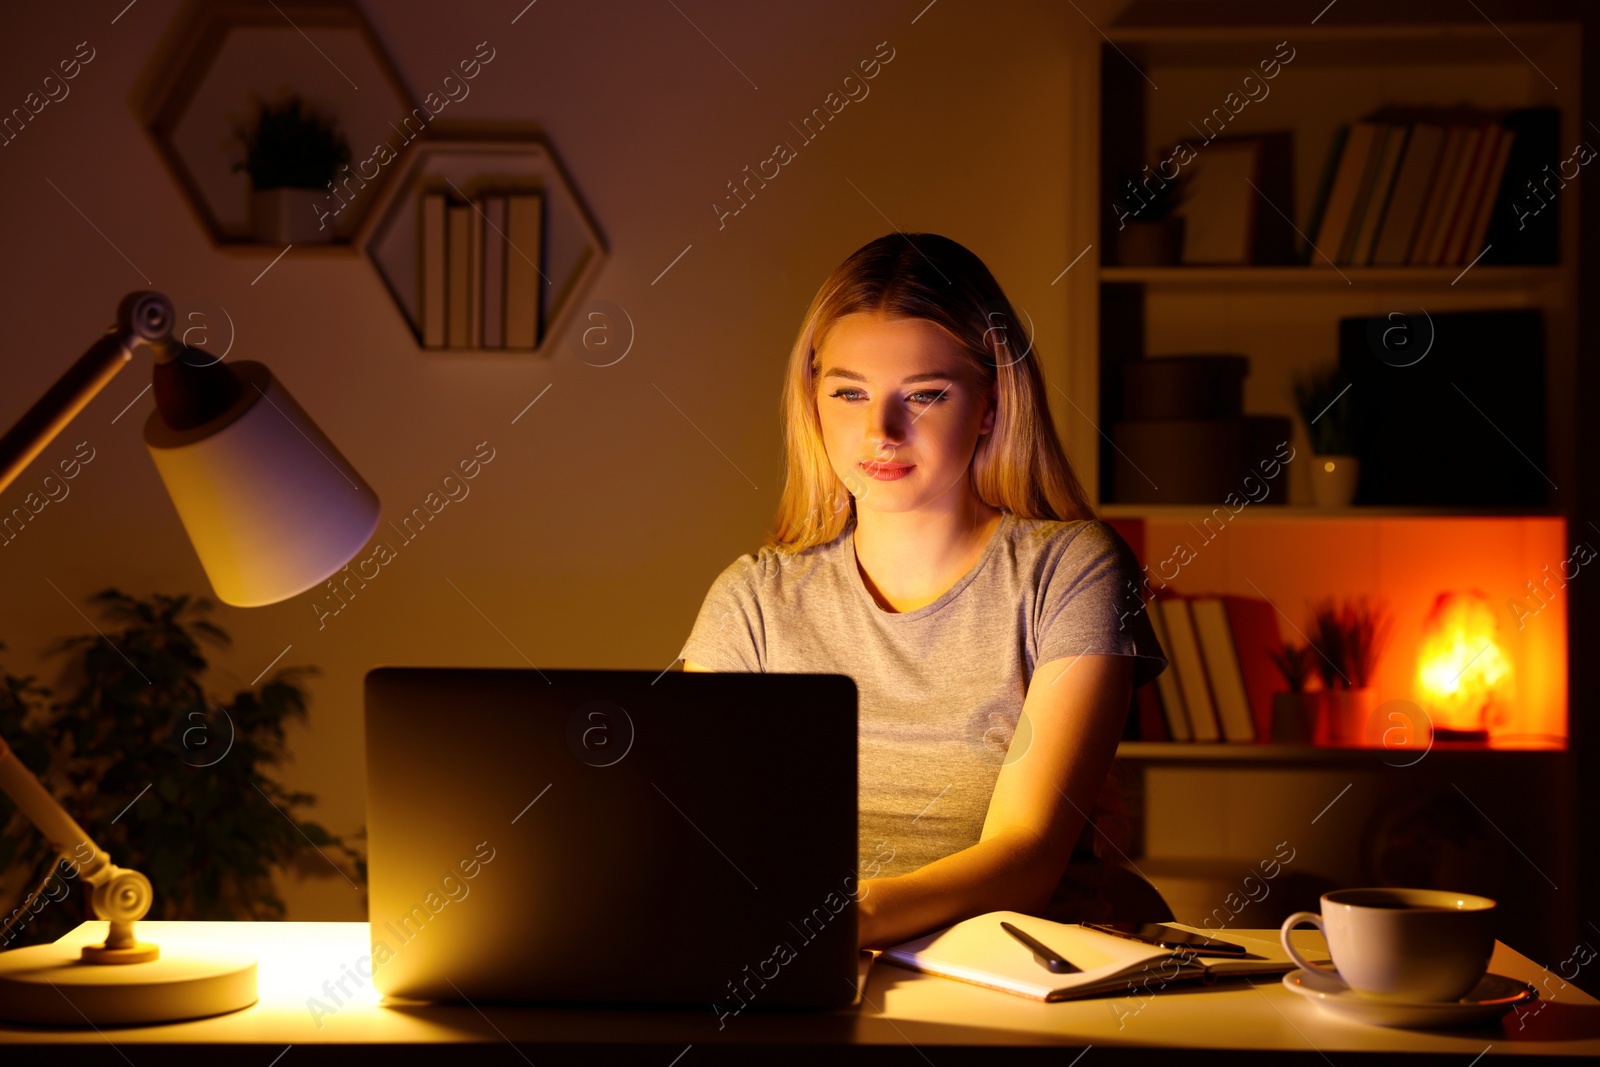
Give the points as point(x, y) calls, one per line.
point(591, 538)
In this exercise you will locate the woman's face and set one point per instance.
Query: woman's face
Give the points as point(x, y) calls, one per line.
point(900, 400)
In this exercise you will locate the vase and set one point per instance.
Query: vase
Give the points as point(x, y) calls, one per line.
point(1292, 717)
point(1333, 480)
point(1150, 244)
point(1342, 716)
point(289, 216)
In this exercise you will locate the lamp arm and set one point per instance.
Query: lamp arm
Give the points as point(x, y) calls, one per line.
point(60, 405)
point(120, 895)
point(142, 318)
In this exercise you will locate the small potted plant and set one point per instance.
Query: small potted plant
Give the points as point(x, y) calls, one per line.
point(1293, 711)
point(292, 152)
point(1324, 405)
point(1151, 233)
point(1347, 638)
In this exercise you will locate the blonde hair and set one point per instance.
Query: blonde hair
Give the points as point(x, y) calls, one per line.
point(1019, 465)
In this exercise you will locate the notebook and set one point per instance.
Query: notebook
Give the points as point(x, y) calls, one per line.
point(977, 950)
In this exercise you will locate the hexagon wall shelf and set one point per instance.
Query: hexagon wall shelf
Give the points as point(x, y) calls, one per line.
point(231, 52)
point(463, 166)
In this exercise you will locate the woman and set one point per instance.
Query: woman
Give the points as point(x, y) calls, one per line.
point(933, 543)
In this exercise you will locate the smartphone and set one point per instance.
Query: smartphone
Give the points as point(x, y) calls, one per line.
point(1171, 937)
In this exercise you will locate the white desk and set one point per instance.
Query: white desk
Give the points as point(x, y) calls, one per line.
point(906, 1018)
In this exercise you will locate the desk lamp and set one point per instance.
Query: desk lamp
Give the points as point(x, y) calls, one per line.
point(272, 509)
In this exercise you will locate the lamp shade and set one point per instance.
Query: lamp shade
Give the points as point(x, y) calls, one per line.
point(271, 506)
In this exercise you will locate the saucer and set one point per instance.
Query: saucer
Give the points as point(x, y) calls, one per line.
point(1491, 998)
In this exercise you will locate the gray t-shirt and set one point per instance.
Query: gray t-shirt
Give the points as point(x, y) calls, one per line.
point(940, 688)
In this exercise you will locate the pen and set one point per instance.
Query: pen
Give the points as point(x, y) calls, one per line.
point(1051, 959)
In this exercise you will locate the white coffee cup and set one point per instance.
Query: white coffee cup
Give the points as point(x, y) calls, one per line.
point(1415, 945)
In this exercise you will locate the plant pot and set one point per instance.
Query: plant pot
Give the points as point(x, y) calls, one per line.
point(1342, 716)
point(289, 216)
point(1292, 717)
point(1334, 479)
point(1150, 244)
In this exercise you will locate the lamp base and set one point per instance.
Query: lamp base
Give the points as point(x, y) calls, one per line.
point(138, 952)
point(51, 985)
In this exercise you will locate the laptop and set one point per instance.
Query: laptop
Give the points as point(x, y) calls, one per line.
point(612, 837)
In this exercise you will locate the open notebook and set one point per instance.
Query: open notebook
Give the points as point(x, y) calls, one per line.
point(977, 950)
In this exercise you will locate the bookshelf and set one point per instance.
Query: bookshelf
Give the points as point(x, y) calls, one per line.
point(196, 91)
point(462, 163)
point(1155, 71)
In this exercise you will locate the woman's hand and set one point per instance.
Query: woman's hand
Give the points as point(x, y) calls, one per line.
point(1033, 818)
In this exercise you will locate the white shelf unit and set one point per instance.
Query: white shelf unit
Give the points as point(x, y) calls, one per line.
point(1219, 807)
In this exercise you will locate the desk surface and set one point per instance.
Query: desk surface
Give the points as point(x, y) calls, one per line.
point(905, 1017)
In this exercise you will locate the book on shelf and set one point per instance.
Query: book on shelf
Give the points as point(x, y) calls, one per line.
point(1406, 199)
point(1456, 192)
point(1253, 624)
point(475, 275)
point(1319, 206)
point(1466, 208)
point(1222, 668)
point(478, 274)
point(524, 237)
point(1234, 638)
point(431, 275)
point(1484, 208)
point(1184, 655)
point(1455, 143)
point(980, 951)
point(458, 259)
point(1436, 187)
point(494, 270)
point(1355, 151)
point(1362, 231)
point(1167, 687)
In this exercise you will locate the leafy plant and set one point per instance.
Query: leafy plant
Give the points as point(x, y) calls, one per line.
point(1366, 631)
point(1319, 394)
point(292, 145)
point(1294, 662)
point(1350, 636)
point(164, 779)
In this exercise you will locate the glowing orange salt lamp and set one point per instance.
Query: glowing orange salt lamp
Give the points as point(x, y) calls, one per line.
point(1461, 667)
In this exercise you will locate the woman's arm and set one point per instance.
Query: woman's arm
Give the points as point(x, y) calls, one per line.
point(1076, 707)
